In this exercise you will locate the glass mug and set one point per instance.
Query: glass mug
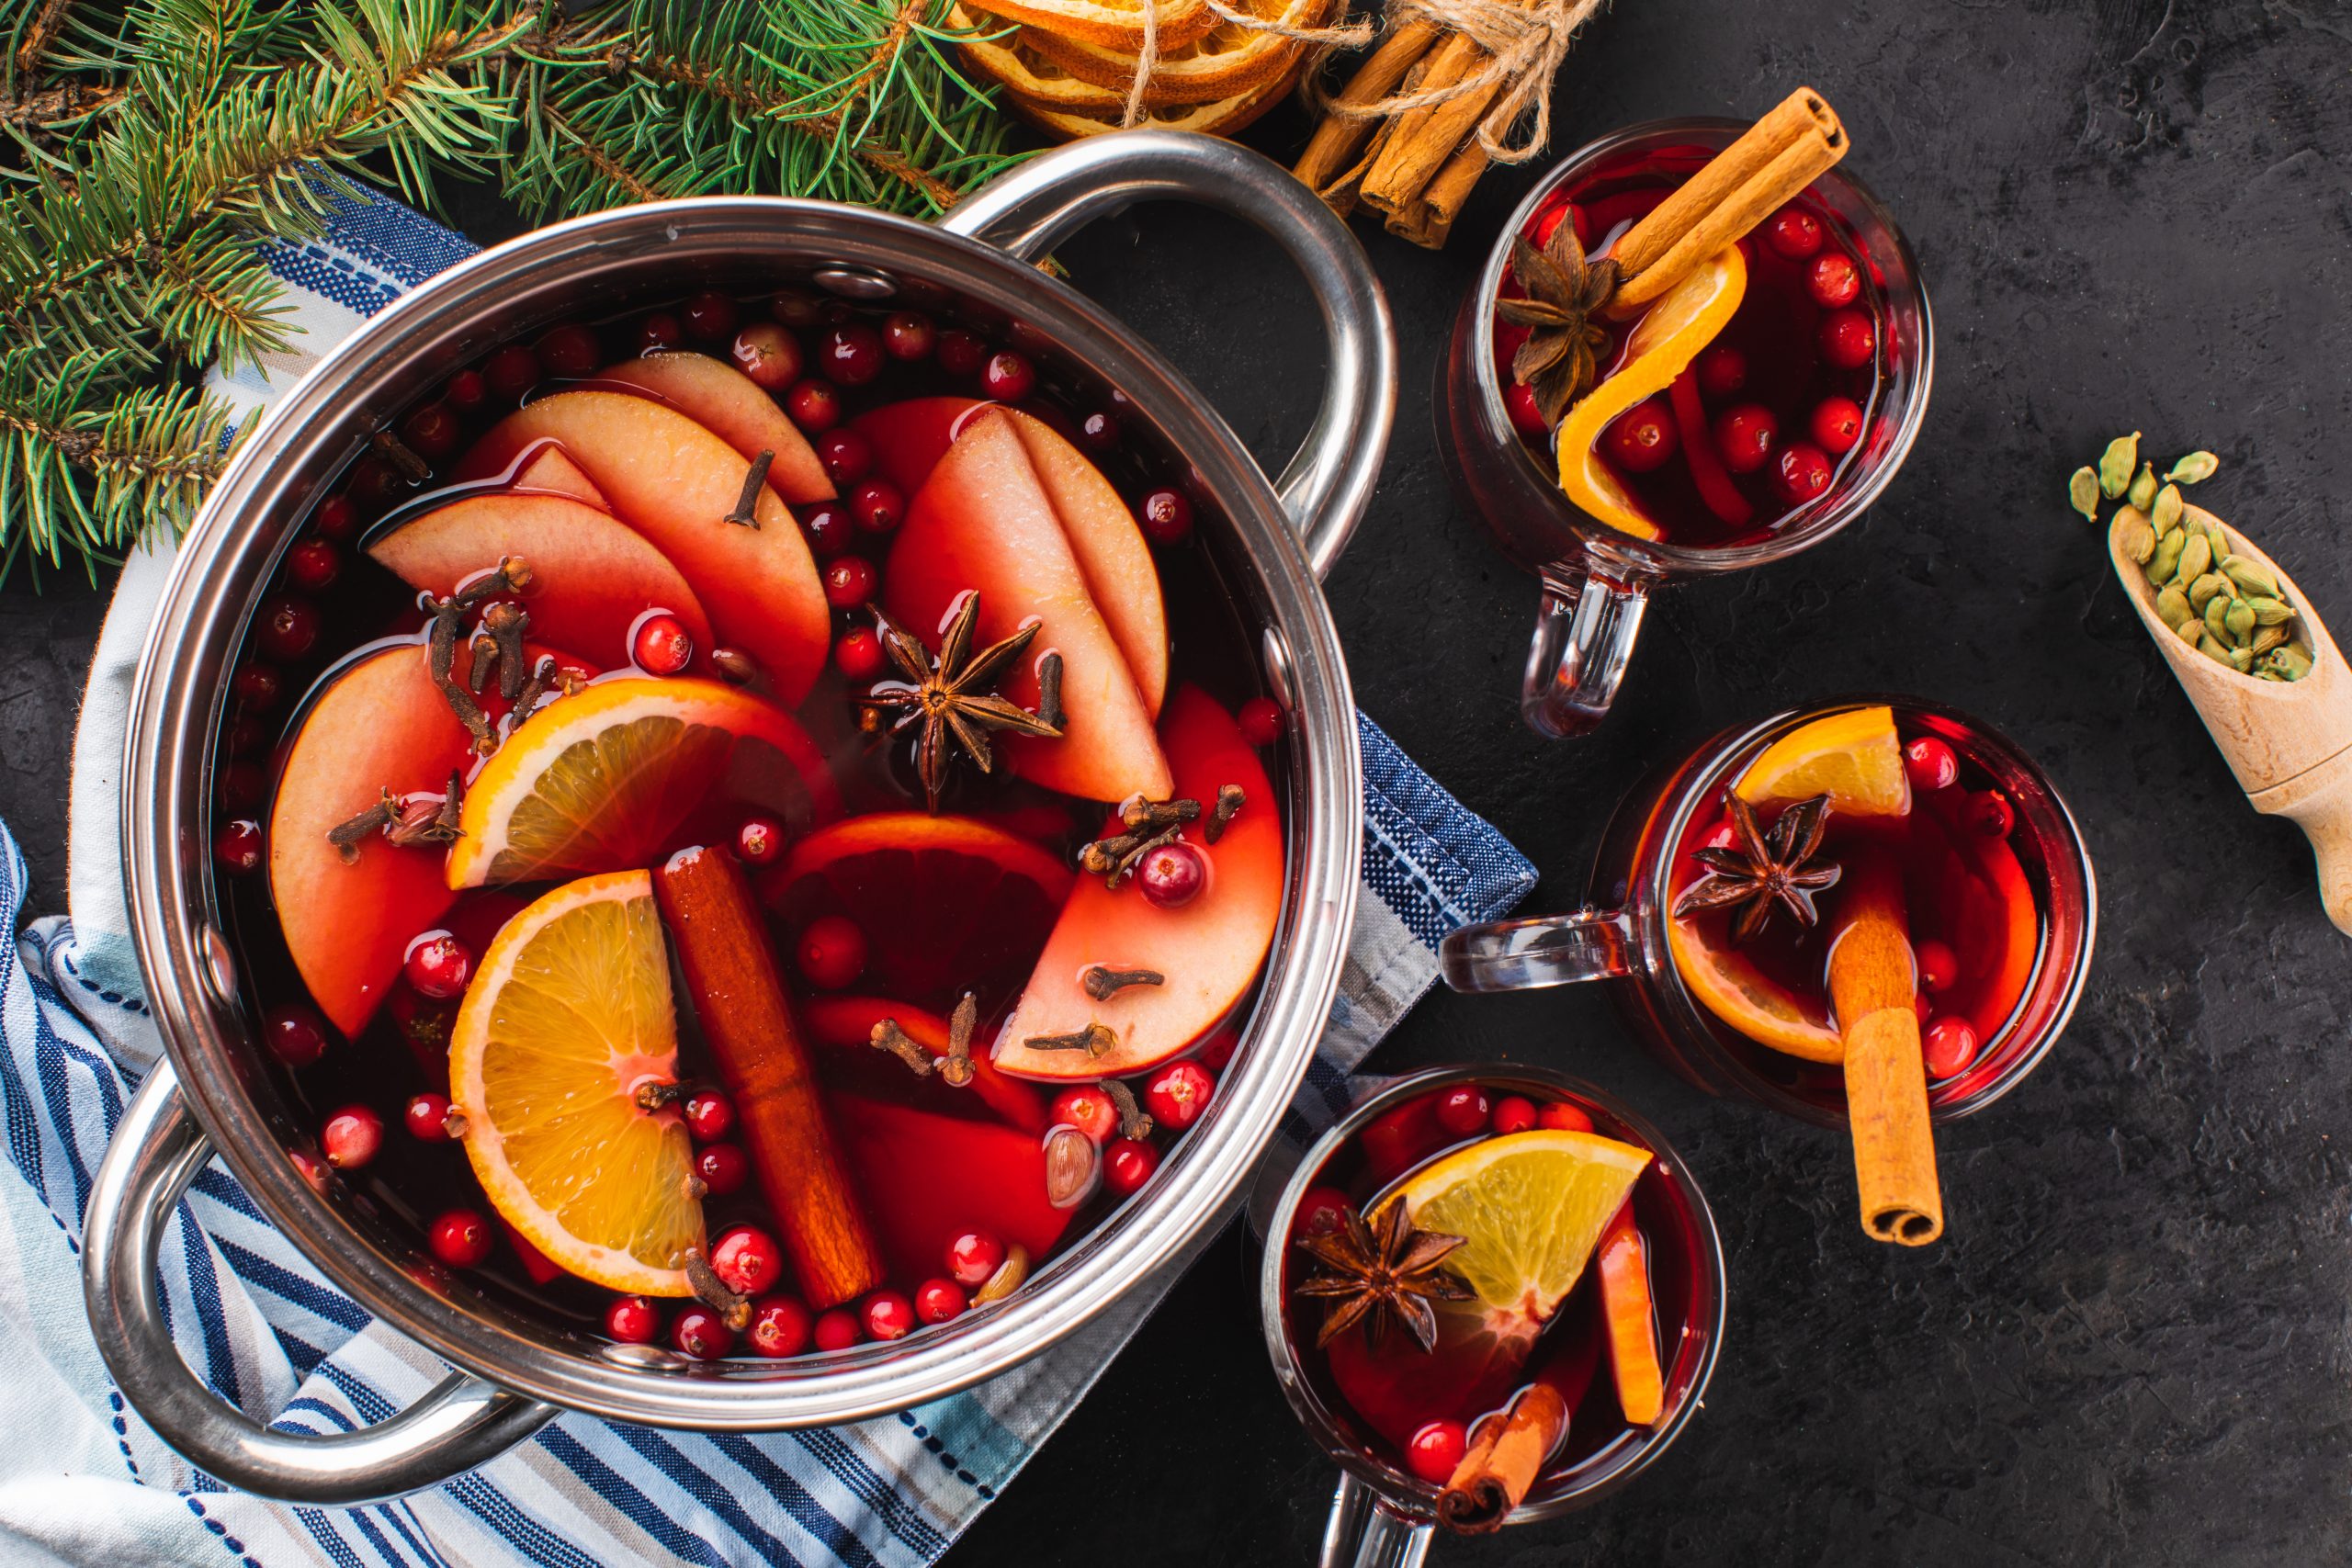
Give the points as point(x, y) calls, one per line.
point(1596, 580)
point(1382, 1517)
point(1622, 933)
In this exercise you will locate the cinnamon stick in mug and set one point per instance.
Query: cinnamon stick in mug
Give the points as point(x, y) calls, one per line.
point(1872, 985)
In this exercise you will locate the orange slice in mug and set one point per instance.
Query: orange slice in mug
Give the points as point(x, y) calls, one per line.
point(1730, 985)
point(1855, 758)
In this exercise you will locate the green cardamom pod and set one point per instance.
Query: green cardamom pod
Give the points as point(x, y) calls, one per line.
point(2203, 591)
point(2082, 490)
point(2268, 675)
point(2194, 468)
point(2115, 465)
point(2196, 559)
point(2268, 637)
point(2215, 651)
point(2172, 605)
point(2190, 631)
point(2292, 661)
point(2165, 565)
point(2270, 611)
point(2242, 660)
point(2134, 535)
point(2143, 490)
point(2217, 617)
point(2238, 619)
point(2250, 576)
point(2164, 516)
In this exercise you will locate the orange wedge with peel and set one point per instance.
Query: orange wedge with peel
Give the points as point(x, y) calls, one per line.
point(1854, 757)
point(1731, 987)
point(1667, 339)
point(570, 1013)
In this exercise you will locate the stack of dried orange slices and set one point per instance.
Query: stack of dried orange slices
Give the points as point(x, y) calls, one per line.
point(1068, 66)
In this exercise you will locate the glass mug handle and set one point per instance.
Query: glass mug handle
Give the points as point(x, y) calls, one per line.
point(1547, 950)
point(1584, 635)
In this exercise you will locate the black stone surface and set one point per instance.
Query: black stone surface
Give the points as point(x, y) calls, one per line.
point(2132, 1344)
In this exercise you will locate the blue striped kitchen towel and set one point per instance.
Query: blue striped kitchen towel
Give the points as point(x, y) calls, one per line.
point(85, 1480)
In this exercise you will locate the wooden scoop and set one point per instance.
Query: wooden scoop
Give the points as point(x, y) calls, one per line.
point(2289, 742)
point(1872, 982)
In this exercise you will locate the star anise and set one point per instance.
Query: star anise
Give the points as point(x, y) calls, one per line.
point(950, 696)
point(1765, 869)
point(1557, 361)
point(1382, 1270)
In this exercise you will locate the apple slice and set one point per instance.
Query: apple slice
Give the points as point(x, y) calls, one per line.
point(983, 522)
point(909, 437)
point(591, 577)
point(546, 468)
point(927, 1178)
point(1210, 950)
point(675, 482)
point(732, 407)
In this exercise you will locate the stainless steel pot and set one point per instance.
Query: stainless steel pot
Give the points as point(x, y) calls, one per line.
point(515, 1370)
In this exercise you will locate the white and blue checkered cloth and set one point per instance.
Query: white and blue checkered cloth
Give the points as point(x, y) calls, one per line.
point(84, 1481)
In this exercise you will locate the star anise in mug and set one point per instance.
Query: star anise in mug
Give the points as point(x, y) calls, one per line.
point(1558, 361)
point(1765, 868)
point(1381, 1271)
point(950, 697)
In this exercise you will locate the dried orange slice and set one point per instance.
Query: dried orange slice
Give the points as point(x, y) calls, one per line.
point(568, 1015)
point(601, 780)
point(1732, 987)
point(1669, 337)
point(1854, 757)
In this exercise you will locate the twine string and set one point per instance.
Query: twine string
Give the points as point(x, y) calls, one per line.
point(1523, 45)
point(1348, 35)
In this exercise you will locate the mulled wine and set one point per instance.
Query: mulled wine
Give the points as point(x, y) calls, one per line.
point(745, 819)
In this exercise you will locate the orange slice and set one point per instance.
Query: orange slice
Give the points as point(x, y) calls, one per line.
point(1733, 988)
point(1669, 337)
point(602, 780)
point(570, 1013)
point(1854, 757)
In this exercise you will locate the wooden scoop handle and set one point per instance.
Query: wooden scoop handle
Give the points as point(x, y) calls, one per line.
point(2320, 802)
point(1872, 982)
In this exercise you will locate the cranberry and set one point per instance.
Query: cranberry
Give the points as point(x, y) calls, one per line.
point(849, 582)
point(257, 687)
point(877, 505)
point(242, 784)
point(466, 391)
point(1745, 436)
point(1990, 813)
point(295, 1036)
point(511, 372)
point(374, 481)
point(1218, 1048)
point(961, 352)
point(1526, 417)
point(973, 1258)
point(1260, 721)
point(1128, 1163)
point(352, 1136)
point(889, 1315)
point(313, 564)
point(1838, 425)
point(768, 354)
point(747, 1259)
point(1642, 438)
point(245, 735)
point(1165, 517)
point(335, 517)
point(1173, 875)
point(426, 1025)
point(237, 846)
point(828, 525)
point(1939, 965)
point(1722, 370)
point(1948, 1044)
point(1321, 1211)
point(1088, 1109)
point(794, 308)
point(1833, 280)
point(710, 1116)
point(908, 336)
point(460, 1238)
point(780, 1327)
point(836, 1330)
point(426, 1117)
point(859, 656)
point(723, 1169)
point(633, 1320)
point(758, 840)
point(660, 645)
point(1435, 1449)
point(814, 405)
point(1548, 224)
point(1800, 472)
point(1178, 1093)
point(850, 355)
point(710, 316)
point(1464, 1110)
point(831, 951)
point(659, 331)
point(936, 1300)
point(287, 628)
point(702, 1334)
point(1008, 376)
point(438, 965)
point(1514, 1113)
point(1561, 1117)
point(1931, 765)
point(1847, 339)
point(847, 456)
point(570, 350)
point(1099, 431)
point(1793, 233)
point(1921, 1010)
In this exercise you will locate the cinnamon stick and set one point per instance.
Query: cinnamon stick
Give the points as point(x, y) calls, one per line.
point(1872, 983)
point(1446, 195)
point(1426, 136)
point(1510, 1447)
point(1341, 136)
point(746, 1017)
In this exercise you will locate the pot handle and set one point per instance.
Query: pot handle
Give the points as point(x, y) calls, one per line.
point(1329, 483)
point(158, 1148)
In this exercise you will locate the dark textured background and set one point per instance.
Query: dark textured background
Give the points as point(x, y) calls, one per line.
point(2131, 1345)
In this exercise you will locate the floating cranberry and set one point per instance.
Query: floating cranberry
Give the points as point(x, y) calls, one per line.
point(798, 308)
point(908, 336)
point(336, 517)
point(767, 354)
point(701, 1333)
point(1939, 965)
point(466, 391)
point(1561, 1117)
point(1008, 376)
point(847, 456)
point(286, 628)
point(426, 1025)
point(426, 1117)
point(374, 481)
point(961, 352)
point(747, 1259)
point(1217, 1050)
point(294, 1034)
point(1165, 517)
point(313, 564)
point(258, 686)
point(1800, 472)
point(659, 331)
point(238, 847)
point(1990, 813)
point(1464, 1110)
point(1793, 233)
point(1922, 1010)
point(936, 1300)
point(1514, 1113)
point(973, 1257)
point(1321, 1211)
point(1642, 438)
point(710, 316)
point(858, 656)
point(889, 1315)
point(633, 1320)
point(242, 785)
point(709, 1115)
point(662, 646)
point(511, 372)
point(1088, 1109)
point(1260, 721)
point(1949, 1045)
point(1722, 370)
point(1435, 1449)
point(829, 528)
point(1744, 435)
point(831, 951)
point(836, 1330)
point(851, 354)
point(758, 841)
point(1847, 339)
point(1178, 1093)
point(1099, 431)
point(1932, 764)
point(570, 350)
point(814, 405)
point(1128, 1163)
point(723, 1169)
point(1838, 425)
point(438, 965)
point(849, 582)
point(1833, 280)
point(352, 1136)
point(877, 505)
point(245, 735)
point(780, 1327)
point(1526, 417)
point(1173, 875)
point(460, 1238)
